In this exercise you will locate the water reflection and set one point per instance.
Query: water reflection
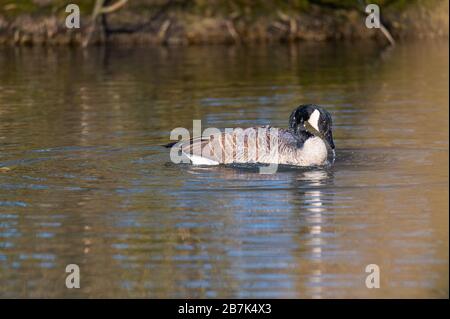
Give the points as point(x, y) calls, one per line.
point(285, 209)
point(314, 221)
point(87, 183)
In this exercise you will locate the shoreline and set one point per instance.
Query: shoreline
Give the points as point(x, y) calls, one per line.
point(175, 27)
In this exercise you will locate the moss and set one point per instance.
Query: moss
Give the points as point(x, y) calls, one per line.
point(17, 7)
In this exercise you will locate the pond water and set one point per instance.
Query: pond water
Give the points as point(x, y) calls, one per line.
point(84, 180)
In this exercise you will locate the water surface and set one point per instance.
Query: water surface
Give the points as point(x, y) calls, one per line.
point(84, 181)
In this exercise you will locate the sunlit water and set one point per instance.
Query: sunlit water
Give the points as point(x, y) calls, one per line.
point(83, 179)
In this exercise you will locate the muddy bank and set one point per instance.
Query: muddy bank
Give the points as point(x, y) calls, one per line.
point(182, 25)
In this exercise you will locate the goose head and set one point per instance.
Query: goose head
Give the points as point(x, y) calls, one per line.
point(317, 117)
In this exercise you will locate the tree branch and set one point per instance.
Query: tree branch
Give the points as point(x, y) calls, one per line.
point(113, 7)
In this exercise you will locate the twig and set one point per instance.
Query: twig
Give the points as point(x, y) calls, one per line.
point(100, 9)
point(387, 34)
point(163, 30)
point(383, 29)
point(232, 30)
point(113, 7)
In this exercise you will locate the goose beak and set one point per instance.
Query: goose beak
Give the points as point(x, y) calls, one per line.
point(329, 138)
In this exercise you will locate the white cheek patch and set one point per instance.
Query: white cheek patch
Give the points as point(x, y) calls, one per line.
point(314, 120)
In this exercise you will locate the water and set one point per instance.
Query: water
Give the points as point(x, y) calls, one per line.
point(84, 181)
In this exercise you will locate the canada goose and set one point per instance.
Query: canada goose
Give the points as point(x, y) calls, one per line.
point(298, 145)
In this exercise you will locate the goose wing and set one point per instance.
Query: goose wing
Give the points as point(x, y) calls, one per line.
point(254, 144)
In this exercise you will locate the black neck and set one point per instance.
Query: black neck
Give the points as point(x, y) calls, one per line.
point(300, 133)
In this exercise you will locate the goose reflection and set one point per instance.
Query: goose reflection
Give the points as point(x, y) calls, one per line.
point(269, 228)
point(314, 208)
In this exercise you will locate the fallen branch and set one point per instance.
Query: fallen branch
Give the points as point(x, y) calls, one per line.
point(383, 29)
point(387, 34)
point(100, 9)
point(232, 30)
point(163, 30)
point(113, 7)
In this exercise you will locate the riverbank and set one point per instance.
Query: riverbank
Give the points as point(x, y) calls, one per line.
point(178, 23)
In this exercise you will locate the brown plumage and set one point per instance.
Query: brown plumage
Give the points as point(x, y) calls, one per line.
point(266, 144)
